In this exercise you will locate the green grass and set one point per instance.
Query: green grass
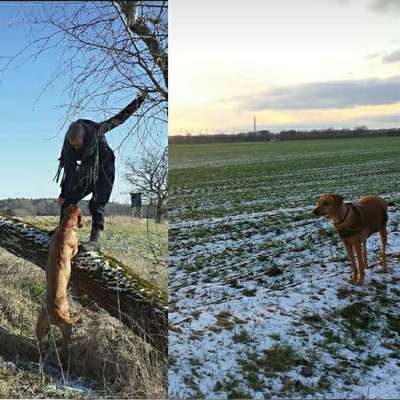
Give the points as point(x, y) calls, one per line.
point(275, 168)
point(312, 319)
point(357, 315)
point(279, 358)
point(373, 360)
point(242, 337)
point(276, 359)
point(394, 323)
point(235, 152)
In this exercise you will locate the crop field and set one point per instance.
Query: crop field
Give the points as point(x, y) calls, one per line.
point(106, 360)
point(260, 300)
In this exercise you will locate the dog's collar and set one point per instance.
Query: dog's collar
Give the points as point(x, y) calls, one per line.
point(71, 226)
point(345, 232)
point(345, 216)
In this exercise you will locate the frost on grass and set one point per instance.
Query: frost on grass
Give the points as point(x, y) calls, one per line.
point(260, 304)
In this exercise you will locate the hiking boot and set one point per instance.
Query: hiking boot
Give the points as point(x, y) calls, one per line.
point(93, 243)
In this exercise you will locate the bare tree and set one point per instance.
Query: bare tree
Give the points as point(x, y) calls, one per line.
point(110, 52)
point(149, 175)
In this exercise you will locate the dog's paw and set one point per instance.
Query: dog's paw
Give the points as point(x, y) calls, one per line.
point(354, 279)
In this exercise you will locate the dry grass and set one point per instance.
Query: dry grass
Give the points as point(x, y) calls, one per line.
point(102, 349)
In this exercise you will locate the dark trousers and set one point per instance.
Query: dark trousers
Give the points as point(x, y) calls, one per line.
point(101, 195)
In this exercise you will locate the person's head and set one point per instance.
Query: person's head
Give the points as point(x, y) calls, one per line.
point(75, 135)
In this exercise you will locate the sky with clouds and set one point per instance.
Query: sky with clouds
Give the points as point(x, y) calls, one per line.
point(292, 63)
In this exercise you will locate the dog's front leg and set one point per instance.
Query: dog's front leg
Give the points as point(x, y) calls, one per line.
point(360, 257)
point(350, 253)
point(365, 257)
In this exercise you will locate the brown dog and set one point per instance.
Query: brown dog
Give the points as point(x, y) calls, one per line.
point(355, 223)
point(63, 246)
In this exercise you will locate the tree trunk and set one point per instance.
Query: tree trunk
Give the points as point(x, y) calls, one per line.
point(140, 305)
point(138, 27)
point(158, 213)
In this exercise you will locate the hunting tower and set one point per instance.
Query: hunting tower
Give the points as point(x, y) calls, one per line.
point(136, 204)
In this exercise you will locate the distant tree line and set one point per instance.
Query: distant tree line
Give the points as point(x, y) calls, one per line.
point(28, 207)
point(292, 134)
point(31, 207)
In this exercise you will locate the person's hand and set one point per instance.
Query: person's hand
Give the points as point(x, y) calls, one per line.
point(60, 201)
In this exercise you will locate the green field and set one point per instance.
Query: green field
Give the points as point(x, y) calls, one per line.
point(254, 277)
point(231, 174)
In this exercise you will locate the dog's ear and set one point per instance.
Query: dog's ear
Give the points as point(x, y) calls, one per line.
point(338, 199)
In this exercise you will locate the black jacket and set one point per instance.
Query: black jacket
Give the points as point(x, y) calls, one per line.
point(105, 154)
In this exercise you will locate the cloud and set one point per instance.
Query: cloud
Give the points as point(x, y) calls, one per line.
point(372, 55)
point(388, 58)
point(392, 57)
point(385, 5)
point(383, 118)
point(324, 95)
point(371, 121)
point(378, 5)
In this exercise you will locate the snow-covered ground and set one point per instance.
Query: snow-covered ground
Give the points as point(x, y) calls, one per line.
point(218, 325)
point(260, 300)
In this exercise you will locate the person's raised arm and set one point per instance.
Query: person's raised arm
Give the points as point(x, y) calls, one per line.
point(122, 116)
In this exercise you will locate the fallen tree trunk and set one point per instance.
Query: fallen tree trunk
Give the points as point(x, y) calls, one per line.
point(140, 306)
point(13, 346)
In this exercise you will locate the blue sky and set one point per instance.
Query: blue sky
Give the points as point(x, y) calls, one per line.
point(30, 132)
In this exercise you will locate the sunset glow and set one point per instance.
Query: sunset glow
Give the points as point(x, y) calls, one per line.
point(226, 55)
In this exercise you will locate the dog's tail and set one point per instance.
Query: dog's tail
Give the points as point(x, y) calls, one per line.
point(67, 320)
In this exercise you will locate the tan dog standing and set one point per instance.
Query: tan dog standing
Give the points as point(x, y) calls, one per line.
point(355, 223)
point(63, 247)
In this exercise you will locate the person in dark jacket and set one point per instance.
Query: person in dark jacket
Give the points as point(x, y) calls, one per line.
point(88, 166)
